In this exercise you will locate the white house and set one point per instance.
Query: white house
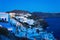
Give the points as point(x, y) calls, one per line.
point(4, 16)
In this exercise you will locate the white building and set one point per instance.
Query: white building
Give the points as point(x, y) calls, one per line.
point(4, 16)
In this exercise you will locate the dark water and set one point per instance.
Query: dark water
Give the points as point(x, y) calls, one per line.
point(54, 26)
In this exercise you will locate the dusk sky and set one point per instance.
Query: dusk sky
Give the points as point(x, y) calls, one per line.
point(30, 5)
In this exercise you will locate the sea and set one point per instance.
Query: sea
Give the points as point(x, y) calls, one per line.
point(54, 26)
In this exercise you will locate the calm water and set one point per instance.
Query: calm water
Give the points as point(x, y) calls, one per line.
point(54, 26)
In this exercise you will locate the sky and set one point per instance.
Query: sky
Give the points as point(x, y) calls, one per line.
point(30, 5)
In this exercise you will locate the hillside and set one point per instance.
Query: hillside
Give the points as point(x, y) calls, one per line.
point(18, 11)
point(37, 14)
